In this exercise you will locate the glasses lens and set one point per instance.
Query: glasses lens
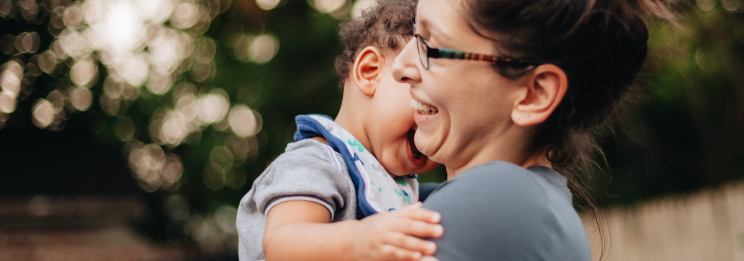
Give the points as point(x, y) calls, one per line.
point(423, 52)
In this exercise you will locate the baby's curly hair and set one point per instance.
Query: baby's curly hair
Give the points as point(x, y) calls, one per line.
point(378, 26)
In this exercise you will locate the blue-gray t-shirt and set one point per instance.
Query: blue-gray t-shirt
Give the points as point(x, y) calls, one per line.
point(501, 211)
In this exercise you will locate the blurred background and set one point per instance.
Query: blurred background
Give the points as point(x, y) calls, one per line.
point(130, 129)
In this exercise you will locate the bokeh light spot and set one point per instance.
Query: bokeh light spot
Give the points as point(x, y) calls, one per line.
point(263, 48)
point(112, 88)
point(242, 148)
point(27, 42)
point(732, 5)
point(72, 16)
point(225, 216)
point(174, 128)
point(109, 105)
point(185, 15)
point(212, 107)
point(222, 156)
point(10, 78)
point(47, 61)
point(706, 5)
point(74, 44)
point(43, 112)
point(360, 6)
point(57, 100)
point(159, 83)
point(153, 168)
point(267, 4)
point(242, 121)
point(83, 72)
point(171, 172)
point(205, 232)
point(204, 49)
point(6, 6)
point(202, 71)
point(80, 97)
point(7, 103)
point(214, 176)
point(156, 11)
point(328, 6)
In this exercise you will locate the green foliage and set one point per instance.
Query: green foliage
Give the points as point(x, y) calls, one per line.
point(683, 134)
point(684, 130)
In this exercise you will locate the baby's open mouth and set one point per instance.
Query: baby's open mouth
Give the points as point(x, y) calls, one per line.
point(423, 109)
point(416, 153)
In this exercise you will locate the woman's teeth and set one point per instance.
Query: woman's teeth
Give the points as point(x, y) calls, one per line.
point(423, 108)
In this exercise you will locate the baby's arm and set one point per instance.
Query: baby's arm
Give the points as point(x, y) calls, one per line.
point(299, 230)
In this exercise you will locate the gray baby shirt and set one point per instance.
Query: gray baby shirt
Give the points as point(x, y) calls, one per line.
point(307, 170)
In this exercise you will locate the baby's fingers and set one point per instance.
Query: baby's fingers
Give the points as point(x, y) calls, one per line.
point(419, 229)
point(422, 214)
point(390, 252)
point(411, 243)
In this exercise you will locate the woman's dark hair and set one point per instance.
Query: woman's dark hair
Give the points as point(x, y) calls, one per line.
point(378, 26)
point(599, 44)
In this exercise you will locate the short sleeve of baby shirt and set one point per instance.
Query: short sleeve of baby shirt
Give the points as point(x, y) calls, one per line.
point(308, 170)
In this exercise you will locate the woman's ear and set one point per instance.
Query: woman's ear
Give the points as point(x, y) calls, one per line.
point(367, 70)
point(546, 86)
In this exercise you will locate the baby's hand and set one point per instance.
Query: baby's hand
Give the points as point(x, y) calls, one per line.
point(397, 235)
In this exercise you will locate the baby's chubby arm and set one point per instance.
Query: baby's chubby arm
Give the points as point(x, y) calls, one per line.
point(299, 230)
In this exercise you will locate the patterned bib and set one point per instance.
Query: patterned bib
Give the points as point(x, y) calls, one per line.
point(377, 190)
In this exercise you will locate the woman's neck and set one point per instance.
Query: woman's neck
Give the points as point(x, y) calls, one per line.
point(538, 158)
point(503, 148)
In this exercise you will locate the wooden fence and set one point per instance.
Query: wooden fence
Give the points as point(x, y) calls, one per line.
point(706, 225)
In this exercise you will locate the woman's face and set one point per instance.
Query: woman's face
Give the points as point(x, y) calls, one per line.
point(470, 103)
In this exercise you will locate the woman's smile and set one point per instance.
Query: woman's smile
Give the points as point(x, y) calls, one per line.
point(424, 112)
point(428, 118)
point(423, 109)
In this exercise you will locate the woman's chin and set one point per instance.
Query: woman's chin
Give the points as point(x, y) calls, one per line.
point(423, 143)
point(428, 134)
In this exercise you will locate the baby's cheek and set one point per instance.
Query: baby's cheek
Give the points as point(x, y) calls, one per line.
point(394, 164)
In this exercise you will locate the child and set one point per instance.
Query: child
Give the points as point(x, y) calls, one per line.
point(307, 204)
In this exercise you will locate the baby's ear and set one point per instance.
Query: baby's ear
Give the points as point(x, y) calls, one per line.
point(367, 70)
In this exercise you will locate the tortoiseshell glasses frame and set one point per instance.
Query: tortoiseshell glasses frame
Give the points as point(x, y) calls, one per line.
point(426, 51)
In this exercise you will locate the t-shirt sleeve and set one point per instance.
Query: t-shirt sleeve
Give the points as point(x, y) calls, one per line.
point(496, 213)
point(310, 172)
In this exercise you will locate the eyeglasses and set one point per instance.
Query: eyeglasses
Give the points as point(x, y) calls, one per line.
point(425, 52)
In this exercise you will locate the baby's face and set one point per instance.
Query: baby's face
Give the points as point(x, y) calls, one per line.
point(390, 126)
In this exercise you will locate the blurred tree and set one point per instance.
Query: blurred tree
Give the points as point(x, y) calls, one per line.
point(684, 129)
point(197, 97)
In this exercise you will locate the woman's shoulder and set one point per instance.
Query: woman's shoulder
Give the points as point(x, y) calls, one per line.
point(492, 185)
point(507, 191)
point(495, 179)
point(499, 210)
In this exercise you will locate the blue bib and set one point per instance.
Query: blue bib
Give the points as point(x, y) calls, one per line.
point(377, 190)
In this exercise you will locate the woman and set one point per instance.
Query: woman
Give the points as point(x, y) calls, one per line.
point(506, 93)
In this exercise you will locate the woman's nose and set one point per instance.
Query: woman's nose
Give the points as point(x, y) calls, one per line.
point(405, 67)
